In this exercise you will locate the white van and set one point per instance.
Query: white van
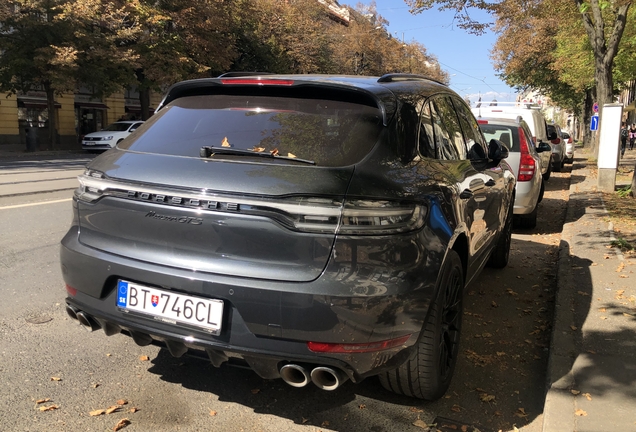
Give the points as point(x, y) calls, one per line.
point(532, 115)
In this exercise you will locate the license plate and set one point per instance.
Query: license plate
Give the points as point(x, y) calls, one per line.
point(171, 307)
point(88, 143)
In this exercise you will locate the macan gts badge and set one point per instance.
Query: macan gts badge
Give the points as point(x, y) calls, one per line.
point(315, 228)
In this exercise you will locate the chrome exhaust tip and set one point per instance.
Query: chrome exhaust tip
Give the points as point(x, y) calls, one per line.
point(87, 321)
point(72, 311)
point(295, 375)
point(327, 378)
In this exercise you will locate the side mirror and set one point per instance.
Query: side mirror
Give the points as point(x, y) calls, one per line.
point(497, 150)
point(543, 147)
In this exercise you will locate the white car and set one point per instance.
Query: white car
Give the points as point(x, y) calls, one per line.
point(569, 147)
point(110, 136)
point(535, 120)
point(525, 161)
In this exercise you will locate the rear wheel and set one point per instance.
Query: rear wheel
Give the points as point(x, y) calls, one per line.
point(529, 221)
point(546, 176)
point(427, 373)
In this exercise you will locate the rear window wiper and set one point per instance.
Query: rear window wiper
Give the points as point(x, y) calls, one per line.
point(207, 151)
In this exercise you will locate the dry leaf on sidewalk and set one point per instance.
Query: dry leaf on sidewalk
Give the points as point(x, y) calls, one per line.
point(121, 424)
point(579, 412)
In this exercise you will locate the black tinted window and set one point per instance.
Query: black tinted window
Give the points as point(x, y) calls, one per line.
point(426, 138)
point(448, 135)
point(472, 134)
point(331, 133)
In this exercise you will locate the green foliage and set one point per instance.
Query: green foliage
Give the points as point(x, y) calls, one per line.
point(625, 192)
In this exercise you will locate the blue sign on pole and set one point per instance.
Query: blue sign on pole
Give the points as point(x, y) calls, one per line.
point(594, 123)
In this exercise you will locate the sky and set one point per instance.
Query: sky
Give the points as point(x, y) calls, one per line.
point(464, 56)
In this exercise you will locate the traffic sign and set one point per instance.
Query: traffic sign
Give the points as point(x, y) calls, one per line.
point(595, 107)
point(594, 123)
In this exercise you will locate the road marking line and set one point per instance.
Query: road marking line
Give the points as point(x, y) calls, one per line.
point(35, 204)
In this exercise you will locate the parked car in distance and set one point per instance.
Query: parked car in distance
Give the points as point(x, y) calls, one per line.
point(532, 115)
point(558, 147)
point(317, 228)
point(569, 147)
point(110, 136)
point(525, 162)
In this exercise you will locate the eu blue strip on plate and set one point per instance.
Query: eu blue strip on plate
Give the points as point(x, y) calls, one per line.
point(122, 293)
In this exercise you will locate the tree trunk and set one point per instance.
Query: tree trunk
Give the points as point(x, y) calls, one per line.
point(588, 136)
point(50, 105)
point(144, 100)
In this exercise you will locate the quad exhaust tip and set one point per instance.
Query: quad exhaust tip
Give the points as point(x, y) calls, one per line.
point(72, 311)
point(327, 378)
point(87, 321)
point(295, 375)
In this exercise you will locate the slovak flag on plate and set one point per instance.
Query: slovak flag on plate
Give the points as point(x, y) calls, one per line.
point(154, 300)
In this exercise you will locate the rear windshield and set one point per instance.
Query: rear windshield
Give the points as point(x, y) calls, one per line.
point(509, 135)
point(118, 127)
point(330, 133)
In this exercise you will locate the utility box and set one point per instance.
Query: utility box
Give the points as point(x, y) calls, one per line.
point(609, 146)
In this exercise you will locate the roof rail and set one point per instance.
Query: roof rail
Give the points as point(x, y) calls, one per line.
point(242, 74)
point(528, 105)
point(393, 77)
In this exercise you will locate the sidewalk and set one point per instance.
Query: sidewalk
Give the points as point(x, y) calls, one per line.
point(592, 366)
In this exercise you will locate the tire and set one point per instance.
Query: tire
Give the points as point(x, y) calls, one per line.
point(500, 254)
point(557, 166)
point(541, 193)
point(529, 221)
point(546, 176)
point(428, 372)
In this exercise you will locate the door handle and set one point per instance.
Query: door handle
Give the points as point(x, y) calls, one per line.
point(490, 183)
point(466, 194)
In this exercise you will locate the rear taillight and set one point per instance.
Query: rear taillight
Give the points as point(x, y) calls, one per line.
point(527, 165)
point(303, 214)
point(71, 291)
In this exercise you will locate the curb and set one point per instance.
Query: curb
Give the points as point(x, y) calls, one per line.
point(559, 401)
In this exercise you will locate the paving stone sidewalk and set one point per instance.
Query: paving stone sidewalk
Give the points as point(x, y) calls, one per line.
point(592, 366)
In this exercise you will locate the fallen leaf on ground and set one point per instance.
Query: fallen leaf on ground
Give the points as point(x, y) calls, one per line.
point(48, 408)
point(258, 149)
point(603, 317)
point(95, 385)
point(144, 358)
point(574, 327)
point(421, 424)
point(40, 401)
point(212, 413)
point(582, 293)
point(225, 142)
point(498, 413)
point(449, 426)
point(456, 408)
point(291, 155)
point(274, 152)
point(628, 315)
point(134, 409)
point(111, 409)
point(587, 396)
point(521, 412)
point(255, 391)
point(108, 355)
point(485, 397)
point(56, 379)
point(325, 423)
point(97, 412)
point(304, 420)
point(602, 310)
point(122, 402)
point(575, 392)
point(121, 424)
point(579, 412)
point(414, 409)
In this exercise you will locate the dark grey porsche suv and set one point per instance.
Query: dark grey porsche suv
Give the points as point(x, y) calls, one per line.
point(316, 228)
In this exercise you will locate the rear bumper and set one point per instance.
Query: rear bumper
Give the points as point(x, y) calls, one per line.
point(268, 323)
point(527, 195)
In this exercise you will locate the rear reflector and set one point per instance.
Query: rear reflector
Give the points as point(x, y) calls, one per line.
point(356, 348)
point(71, 291)
point(482, 121)
point(252, 81)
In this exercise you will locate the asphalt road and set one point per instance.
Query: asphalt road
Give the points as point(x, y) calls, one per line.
point(499, 382)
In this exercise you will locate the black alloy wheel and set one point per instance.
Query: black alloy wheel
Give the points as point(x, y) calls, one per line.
point(428, 372)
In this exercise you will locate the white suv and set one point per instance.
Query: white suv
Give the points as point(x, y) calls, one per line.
point(110, 136)
point(535, 120)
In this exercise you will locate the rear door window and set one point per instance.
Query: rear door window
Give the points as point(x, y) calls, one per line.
point(447, 134)
point(509, 135)
point(470, 127)
point(331, 133)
